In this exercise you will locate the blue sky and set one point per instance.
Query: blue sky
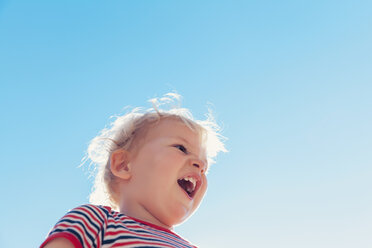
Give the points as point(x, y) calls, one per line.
point(290, 82)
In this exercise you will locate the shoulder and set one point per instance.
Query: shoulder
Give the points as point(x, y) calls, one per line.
point(93, 208)
point(89, 211)
point(82, 226)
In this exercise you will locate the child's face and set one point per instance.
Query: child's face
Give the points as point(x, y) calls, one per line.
point(169, 153)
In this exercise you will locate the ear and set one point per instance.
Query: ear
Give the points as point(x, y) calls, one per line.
point(119, 164)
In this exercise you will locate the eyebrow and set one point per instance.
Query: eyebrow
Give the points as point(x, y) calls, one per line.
point(183, 139)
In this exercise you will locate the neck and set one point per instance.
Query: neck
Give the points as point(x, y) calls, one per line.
point(138, 211)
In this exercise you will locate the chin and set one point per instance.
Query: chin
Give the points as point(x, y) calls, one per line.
point(178, 216)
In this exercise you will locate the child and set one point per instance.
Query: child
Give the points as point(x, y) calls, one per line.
point(151, 176)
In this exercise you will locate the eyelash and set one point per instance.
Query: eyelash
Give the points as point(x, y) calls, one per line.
point(182, 148)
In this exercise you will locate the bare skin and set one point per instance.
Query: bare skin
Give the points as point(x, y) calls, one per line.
point(59, 243)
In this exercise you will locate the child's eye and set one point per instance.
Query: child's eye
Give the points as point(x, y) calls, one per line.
point(181, 148)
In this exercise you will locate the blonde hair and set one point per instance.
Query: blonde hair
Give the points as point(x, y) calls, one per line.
point(125, 131)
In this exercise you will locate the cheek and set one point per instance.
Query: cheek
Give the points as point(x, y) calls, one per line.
point(204, 187)
point(164, 167)
point(167, 163)
point(200, 196)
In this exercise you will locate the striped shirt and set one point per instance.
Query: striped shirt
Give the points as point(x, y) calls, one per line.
point(100, 227)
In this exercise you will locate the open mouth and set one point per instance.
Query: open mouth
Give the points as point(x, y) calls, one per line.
point(189, 185)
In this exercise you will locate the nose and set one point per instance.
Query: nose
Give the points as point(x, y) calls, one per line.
point(200, 164)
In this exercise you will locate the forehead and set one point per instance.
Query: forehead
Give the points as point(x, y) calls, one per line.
point(173, 128)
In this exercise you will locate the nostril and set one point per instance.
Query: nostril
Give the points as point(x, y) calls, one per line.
point(196, 165)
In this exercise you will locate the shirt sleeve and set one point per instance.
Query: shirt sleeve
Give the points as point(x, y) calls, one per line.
point(83, 226)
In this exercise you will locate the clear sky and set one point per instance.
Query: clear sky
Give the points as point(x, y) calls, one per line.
point(289, 81)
